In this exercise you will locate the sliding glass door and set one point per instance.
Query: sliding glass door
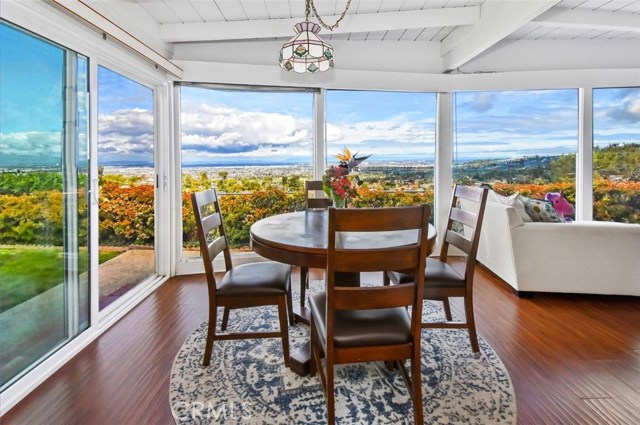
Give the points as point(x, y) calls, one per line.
point(44, 262)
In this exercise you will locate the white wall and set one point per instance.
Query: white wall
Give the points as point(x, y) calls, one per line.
point(536, 55)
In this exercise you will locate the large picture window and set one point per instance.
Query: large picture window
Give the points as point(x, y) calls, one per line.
point(517, 141)
point(616, 155)
point(398, 130)
point(255, 147)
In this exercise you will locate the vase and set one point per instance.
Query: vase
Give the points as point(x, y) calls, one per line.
point(339, 201)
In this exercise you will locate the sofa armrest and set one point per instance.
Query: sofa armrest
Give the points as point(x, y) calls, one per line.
point(513, 218)
point(495, 250)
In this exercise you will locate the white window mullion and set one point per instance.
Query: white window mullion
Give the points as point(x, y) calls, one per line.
point(444, 161)
point(584, 159)
point(319, 134)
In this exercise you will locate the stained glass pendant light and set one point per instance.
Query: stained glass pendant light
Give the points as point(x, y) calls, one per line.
point(306, 51)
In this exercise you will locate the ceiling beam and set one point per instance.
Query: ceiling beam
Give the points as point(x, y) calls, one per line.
point(498, 19)
point(103, 24)
point(270, 28)
point(589, 19)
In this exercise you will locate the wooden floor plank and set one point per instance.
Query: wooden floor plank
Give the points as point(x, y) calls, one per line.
point(572, 359)
point(613, 412)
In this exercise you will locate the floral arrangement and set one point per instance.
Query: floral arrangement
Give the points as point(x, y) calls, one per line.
point(340, 181)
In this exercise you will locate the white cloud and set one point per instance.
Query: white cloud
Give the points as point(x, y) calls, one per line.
point(31, 143)
point(633, 108)
point(244, 127)
point(215, 131)
point(126, 132)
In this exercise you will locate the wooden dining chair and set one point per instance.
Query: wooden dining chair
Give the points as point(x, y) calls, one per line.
point(351, 324)
point(442, 281)
point(312, 202)
point(245, 285)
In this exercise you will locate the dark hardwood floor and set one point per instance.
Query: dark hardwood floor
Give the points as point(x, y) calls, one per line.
point(572, 359)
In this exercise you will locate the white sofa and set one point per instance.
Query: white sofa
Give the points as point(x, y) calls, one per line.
point(579, 257)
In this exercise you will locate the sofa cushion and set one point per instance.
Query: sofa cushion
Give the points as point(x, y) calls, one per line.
point(542, 211)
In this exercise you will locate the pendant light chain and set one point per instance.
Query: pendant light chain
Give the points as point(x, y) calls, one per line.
point(307, 10)
point(324, 25)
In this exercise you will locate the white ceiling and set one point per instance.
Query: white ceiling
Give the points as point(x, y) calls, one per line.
point(463, 30)
point(181, 13)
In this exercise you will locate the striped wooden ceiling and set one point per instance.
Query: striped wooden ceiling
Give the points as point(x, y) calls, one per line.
point(567, 19)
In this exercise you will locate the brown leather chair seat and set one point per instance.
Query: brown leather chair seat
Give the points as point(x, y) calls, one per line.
point(356, 328)
point(254, 279)
point(437, 275)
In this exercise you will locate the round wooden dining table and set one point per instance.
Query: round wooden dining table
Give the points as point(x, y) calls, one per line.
point(300, 239)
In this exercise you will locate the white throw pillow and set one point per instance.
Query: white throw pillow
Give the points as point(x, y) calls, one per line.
point(520, 207)
point(514, 201)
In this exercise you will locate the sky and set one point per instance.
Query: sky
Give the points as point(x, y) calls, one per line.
point(222, 127)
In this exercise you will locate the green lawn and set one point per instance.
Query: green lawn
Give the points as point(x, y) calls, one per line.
point(28, 271)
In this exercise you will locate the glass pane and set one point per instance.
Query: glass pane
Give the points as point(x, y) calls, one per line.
point(255, 147)
point(517, 141)
point(616, 155)
point(43, 209)
point(127, 184)
point(398, 131)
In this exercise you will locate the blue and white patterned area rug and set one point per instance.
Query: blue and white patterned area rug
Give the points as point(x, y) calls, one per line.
point(247, 383)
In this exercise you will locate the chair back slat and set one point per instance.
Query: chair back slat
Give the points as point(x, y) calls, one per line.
point(316, 187)
point(211, 222)
point(467, 218)
point(378, 220)
point(215, 247)
point(319, 203)
point(371, 298)
point(459, 241)
point(398, 258)
point(470, 193)
point(204, 198)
